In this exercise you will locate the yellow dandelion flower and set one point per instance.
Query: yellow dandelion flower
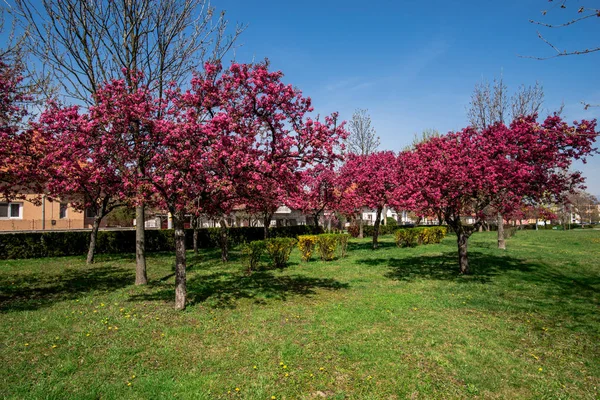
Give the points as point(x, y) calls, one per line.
point(95, 310)
point(280, 363)
point(54, 346)
point(540, 369)
point(237, 389)
point(128, 383)
point(312, 375)
point(87, 334)
point(321, 369)
point(285, 367)
point(273, 398)
point(116, 328)
point(132, 376)
point(26, 344)
point(101, 304)
point(254, 367)
point(286, 374)
point(109, 328)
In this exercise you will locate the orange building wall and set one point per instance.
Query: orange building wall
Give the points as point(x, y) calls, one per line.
point(32, 217)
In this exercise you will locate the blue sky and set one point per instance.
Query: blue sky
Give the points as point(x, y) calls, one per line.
point(413, 64)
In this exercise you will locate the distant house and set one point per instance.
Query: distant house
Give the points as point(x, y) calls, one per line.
point(26, 215)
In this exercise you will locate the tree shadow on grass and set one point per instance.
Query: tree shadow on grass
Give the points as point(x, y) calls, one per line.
point(445, 267)
point(557, 294)
point(223, 289)
point(33, 291)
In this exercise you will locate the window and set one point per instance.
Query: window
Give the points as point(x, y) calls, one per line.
point(90, 213)
point(62, 213)
point(11, 210)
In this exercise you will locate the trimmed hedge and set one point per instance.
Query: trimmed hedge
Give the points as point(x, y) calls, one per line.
point(410, 237)
point(58, 244)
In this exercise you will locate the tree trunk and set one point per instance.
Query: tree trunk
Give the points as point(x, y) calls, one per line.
point(224, 241)
point(316, 219)
point(463, 261)
point(266, 223)
point(536, 223)
point(361, 230)
point(140, 246)
point(501, 242)
point(376, 228)
point(180, 279)
point(93, 236)
point(195, 222)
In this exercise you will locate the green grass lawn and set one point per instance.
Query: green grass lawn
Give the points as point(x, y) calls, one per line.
point(386, 324)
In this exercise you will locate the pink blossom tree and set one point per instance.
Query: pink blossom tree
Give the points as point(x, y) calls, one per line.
point(461, 173)
point(214, 145)
point(77, 165)
point(19, 150)
point(370, 181)
point(318, 191)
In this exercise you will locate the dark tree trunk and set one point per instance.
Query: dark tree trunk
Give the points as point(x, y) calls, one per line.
point(376, 228)
point(195, 223)
point(140, 246)
point(463, 260)
point(501, 242)
point(93, 236)
point(224, 240)
point(316, 219)
point(266, 223)
point(180, 278)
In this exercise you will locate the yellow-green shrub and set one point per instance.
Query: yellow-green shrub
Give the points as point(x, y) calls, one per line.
point(343, 244)
point(327, 244)
point(279, 250)
point(409, 237)
point(406, 237)
point(251, 253)
point(306, 244)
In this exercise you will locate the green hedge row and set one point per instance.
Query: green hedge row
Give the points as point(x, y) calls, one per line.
point(57, 244)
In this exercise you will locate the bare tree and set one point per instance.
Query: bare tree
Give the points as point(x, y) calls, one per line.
point(585, 205)
point(422, 137)
point(491, 104)
point(85, 43)
point(363, 139)
point(579, 13)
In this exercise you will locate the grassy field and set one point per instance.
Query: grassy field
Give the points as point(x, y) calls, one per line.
point(386, 324)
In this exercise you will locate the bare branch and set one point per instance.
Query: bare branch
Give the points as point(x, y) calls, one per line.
point(362, 139)
point(85, 43)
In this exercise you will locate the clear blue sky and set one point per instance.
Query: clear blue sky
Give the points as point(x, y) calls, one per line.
point(413, 64)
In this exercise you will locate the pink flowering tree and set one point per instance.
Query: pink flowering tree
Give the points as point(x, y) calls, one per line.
point(318, 192)
point(19, 146)
point(215, 145)
point(370, 181)
point(463, 173)
point(77, 165)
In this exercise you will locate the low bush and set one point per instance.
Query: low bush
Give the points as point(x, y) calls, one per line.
point(431, 235)
point(306, 244)
point(509, 231)
point(407, 237)
point(327, 243)
point(391, 221)
point(410, 237)
point(343, 239)
point(251, 254)
point(354, 230)
point(279, 250)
